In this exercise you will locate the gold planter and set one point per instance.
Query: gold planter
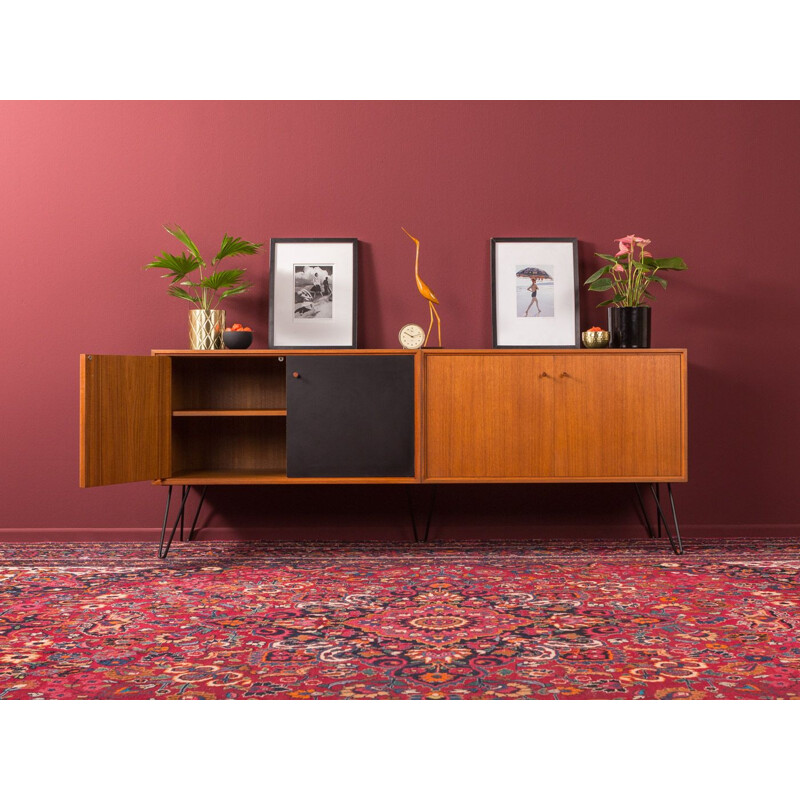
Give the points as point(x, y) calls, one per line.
point(205, 329)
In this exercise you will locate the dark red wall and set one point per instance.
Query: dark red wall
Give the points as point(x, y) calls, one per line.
point(86, 186)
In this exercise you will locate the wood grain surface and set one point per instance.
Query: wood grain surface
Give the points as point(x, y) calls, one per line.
point(481, 416)
point(488, 415)
point(558, 416)
point(125, 419)
point(618, 417)
point(247, 383)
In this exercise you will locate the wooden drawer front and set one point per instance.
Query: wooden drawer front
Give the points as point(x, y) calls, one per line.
point(488, 416)
point(619, 416)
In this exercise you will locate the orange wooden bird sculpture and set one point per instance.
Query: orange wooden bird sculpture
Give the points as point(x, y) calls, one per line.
point(425, 291)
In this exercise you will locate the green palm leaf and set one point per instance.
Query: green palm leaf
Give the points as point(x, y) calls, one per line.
point(234, 246)
point(235, 290)
point(177, 267)
point(180, 234)
point(223, 279)
point(176, 291)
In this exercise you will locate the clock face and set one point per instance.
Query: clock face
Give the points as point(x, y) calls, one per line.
point(411, 337)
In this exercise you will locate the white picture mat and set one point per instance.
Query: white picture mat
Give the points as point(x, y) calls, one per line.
point(557, 259)
point(334, 332)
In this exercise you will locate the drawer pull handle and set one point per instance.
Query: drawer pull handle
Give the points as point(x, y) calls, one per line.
point(295, 374)
point(565, 374)
point(544, 375)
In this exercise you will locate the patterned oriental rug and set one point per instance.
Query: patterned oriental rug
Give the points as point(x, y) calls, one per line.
point(439, 621)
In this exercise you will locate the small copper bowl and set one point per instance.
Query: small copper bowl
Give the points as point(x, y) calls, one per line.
point(595, 338)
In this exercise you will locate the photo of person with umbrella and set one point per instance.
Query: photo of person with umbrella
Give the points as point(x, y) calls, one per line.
point(534, 288)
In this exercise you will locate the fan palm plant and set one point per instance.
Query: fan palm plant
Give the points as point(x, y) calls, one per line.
point(203, 290)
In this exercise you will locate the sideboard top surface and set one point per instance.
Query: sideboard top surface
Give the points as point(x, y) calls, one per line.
point(426, 352)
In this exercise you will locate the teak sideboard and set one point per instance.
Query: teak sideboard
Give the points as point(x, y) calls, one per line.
point(202, 418)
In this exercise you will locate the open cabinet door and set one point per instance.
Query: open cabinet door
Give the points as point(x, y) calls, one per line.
point(125, 419)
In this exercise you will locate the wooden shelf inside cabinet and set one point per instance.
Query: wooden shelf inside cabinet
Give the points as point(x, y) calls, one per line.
point(232, 412)
point(234, 477)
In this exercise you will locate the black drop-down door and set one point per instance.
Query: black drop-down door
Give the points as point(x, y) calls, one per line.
point(350, 416)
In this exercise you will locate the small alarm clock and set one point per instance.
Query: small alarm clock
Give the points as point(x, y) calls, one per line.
point(411, 336)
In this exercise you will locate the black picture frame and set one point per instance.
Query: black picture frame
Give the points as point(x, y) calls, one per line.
point(314, 337)
point(570, 330)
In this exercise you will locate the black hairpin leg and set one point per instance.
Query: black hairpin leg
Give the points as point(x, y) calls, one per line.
point(184, 495)
point(193, 532)
point(647, 524)
point(164, 523)
point(179, 520)
point(674, 540)
point(162, 551)
point(413, 516)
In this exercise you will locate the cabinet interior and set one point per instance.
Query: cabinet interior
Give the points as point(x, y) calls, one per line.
point(230, 444)
point(228, 416)
point(240, 383)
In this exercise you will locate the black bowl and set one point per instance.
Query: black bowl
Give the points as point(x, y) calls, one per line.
point(237, 340)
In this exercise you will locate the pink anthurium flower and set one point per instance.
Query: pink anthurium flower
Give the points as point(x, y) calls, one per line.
point(632, 239)
point(630, 277)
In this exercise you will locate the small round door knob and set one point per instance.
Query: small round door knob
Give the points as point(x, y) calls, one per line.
point(295, 374)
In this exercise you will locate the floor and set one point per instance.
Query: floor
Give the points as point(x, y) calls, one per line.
point(559, 620)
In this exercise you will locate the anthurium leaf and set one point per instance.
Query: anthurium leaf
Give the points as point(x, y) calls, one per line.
point(223, 279)
point(671, 263)
point(617, 298)
point(612, 259)
point(601, 285)
point(235, 290)
point(176, 291)
point(602, 271)
point(234, 246)
point(659, 280)
point(181, 235)
point(649, 296)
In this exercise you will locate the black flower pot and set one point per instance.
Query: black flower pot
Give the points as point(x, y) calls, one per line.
point(629, 326)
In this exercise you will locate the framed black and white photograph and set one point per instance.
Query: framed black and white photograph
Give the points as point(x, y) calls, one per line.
point(313, 287)
point(535, 293)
